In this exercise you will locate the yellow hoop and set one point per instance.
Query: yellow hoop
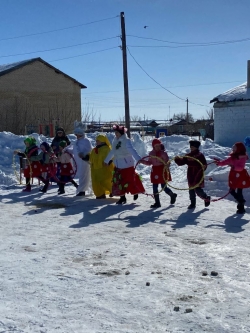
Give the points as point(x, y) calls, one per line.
point(190, 188)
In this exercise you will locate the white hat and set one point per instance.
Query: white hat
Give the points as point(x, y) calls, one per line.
point(79, 131)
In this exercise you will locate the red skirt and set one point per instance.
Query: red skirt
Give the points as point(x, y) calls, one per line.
point(159, 175)
point(126, 181)
point(32, 169)
point(49, 168)
point(238, 179)
point(66, 169)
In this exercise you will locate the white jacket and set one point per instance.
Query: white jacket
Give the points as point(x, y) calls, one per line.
point(123, 153)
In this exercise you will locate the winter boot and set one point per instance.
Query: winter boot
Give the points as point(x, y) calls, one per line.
point(103, 196)
point(240, 208)
point(135, 196)
point(81, 194)
point(207, 201)
point(192, 205)
point(27, 188)
point(122, 200)
point(173, 198)
point(157, 201)
point(45, 187)
point(74, 183)
point(61, 188)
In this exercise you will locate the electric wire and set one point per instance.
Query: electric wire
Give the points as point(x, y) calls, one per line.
point(59, 48)
point(183, 99)
point(61, 29)
point(185, 44)
point(80, 55)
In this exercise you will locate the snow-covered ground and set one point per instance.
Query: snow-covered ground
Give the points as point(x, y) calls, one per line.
point(77, 264)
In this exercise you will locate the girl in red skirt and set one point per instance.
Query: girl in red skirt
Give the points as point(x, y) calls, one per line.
point(238, 178)
point(157, 157)
point(32, 168)
point(66, 168)
point(125, 179)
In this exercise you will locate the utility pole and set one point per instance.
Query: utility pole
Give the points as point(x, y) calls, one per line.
point(187, 109)
point(125, 73)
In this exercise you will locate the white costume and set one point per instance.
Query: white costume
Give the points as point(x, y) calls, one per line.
point(83, 147)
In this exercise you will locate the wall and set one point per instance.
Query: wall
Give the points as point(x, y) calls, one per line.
point(36, 92)
point(232, 123)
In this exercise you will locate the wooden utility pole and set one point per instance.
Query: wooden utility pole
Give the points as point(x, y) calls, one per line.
point(187, 110)
point(125, 73)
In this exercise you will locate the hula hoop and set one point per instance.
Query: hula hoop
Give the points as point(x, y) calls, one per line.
point(165, 168)
point(27, 158)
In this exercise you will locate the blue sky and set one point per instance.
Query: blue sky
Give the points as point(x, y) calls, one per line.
point(85, 37)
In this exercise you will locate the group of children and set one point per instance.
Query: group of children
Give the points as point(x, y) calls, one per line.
point(112, 167)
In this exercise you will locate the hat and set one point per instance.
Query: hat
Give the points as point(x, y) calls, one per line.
point(63, 143)
point(194, 143)
point(60, 129)
point(120, 129)
point(46, 145)
point(156, 142)
point(30, 140)
point(103, 138)
point(240, 148)
point(78, 131)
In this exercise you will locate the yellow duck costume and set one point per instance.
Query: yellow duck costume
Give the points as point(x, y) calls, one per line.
point(101, 174)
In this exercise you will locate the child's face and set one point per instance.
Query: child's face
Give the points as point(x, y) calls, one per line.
point(192, 148)
point(98, 142)
point(157, 147)
point(43, 148)
point(27, 144)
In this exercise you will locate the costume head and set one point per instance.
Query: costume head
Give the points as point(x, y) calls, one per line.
point(63, 144)
point(45, 145)
point(103, 138)
point(79, 131)
point(120, 129)
point(194, 143)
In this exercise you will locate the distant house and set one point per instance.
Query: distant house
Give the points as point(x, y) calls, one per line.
point(34, 93)
point(232, 114)
point(180, 127)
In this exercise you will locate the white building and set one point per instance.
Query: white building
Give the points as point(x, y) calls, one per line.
point(232, 114)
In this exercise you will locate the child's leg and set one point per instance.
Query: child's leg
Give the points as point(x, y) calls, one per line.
point(240, 206)
point(200, 192)
point(156, 196)
point(170, 193)
point(192, 198)
point(240, 195)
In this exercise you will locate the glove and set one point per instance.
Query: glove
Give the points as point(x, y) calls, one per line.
point(81, 155)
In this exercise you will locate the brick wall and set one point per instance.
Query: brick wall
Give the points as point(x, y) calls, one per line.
point(34, 93)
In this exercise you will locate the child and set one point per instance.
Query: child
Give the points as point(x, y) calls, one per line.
point(32, 169)
point(48, 166)
point(238, 176)
point(195, 173)
point(66, 168)
point(101, 174)
point(125, 179)
point(156, 156)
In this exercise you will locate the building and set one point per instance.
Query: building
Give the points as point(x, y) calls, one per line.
point(232, 114)
point(37, 96)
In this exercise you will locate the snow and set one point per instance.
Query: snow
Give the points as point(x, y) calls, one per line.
point(77, 264)
point(238, 93)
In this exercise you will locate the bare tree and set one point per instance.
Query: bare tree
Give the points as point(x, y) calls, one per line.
point(184, 116)
point(210, 113)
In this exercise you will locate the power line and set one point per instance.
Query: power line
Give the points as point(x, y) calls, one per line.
point(190, 44)
point(59, 48)
point(188, 85)
point(160, 84)
point(80, 55)
point(61, 29)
